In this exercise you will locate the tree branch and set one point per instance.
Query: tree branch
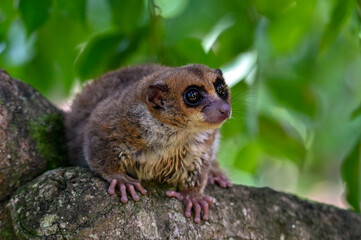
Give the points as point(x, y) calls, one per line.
point(73, 203)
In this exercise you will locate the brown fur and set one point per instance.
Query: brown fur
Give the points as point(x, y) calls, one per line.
point(135, 121)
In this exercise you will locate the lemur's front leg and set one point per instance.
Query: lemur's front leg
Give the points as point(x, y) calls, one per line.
point(105, 158)
point(191, 189)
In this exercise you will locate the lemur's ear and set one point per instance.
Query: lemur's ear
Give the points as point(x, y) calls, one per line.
point(219, 71)
point(155, 95)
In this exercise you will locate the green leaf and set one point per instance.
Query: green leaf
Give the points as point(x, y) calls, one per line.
point(239, 36)
point(34, 13)
point(73, 9)
point(358, 2)
point(247, 158)
point(95, 58)
point(303, 98)
point(127, 14)
point(7, 15)
point(289, 29)
point(98, 16)
point(356, 113)
point(272, 9)
point(188, 50)
point(191, 50)
point(351, 175)
point(277, 142)
point(341, 12)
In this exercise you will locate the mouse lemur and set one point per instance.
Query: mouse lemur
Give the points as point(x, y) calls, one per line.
point(152, 122)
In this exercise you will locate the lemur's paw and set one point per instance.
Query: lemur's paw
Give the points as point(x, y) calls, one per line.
point(219, 178)
point(194, 200)
point(126, 184)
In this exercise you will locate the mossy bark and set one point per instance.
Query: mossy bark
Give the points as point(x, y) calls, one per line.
point(30, 127)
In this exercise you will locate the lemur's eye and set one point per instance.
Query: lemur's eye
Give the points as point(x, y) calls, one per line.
point(221, 88)
point(192, 96)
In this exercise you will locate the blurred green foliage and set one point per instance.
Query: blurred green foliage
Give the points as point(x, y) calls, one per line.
point(294, 67)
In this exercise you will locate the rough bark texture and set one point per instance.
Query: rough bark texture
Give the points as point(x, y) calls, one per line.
point(28, 124)
point(72, 203)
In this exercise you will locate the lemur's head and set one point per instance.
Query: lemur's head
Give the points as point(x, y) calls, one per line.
point(194, 97)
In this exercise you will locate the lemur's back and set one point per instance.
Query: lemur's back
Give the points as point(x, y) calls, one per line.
point(93, 94)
